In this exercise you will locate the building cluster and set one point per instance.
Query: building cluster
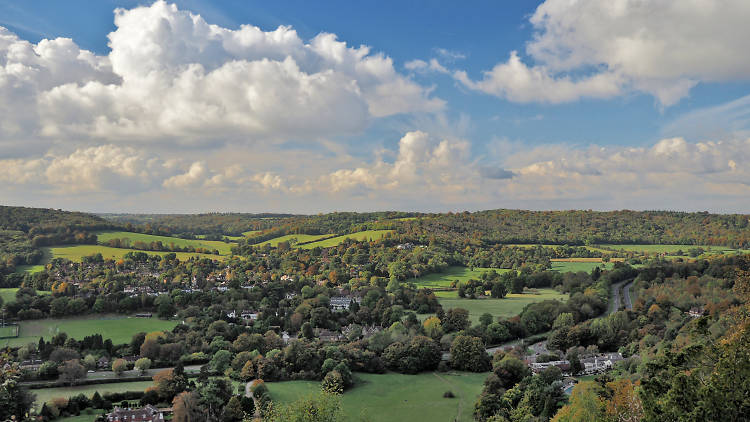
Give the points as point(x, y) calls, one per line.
point(592, 364)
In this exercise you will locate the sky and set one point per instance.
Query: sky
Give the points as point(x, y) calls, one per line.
point(307, 107)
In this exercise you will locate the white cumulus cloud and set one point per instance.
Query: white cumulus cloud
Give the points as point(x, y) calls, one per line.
point(663, 48)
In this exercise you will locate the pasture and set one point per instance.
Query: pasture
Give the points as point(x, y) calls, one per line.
point(46, 394)
point(222, 247)
point(76, 252)
point(368, 235)
point(118, 328)
point(509, 306)
point(531, 245)
point(444, 279)
point(391, 397)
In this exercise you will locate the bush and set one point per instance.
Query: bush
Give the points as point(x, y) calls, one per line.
point(448, 395)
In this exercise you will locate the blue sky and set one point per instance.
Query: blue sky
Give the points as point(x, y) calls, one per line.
point(560, 108)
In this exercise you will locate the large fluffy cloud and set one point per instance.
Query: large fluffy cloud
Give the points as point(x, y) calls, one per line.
point(172, 75)
point(663, 48)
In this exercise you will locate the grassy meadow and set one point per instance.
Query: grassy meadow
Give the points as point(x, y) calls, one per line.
point(87, 415)
point(391, 397)
point(222, 247)
point(334, 241)
point(444, 279)
point(118, 328)
point(669, 249)
point(506, 307)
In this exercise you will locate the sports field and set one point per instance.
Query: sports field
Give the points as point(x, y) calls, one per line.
point(223, 248)
point(506, 307)
point(451, 274)
point(118, 328)
point(334, 241)
point(397, 397)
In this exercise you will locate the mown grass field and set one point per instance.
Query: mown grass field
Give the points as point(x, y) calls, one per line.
point(506, 307)
point(397, 397)
point(118, 328)
point(31, 269)
point(222, 247)
point(9, 293)
point(293, 239)
point(46, 394)
point(444, 279)
point(76, 252)
point(334, 241)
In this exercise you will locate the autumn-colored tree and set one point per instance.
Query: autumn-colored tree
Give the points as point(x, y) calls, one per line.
point(186, 408)
point(433, 328)
point(625, 405)
point(585, 405)
point(119, 366)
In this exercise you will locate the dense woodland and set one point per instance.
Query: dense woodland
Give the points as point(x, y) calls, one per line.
point(677, 365)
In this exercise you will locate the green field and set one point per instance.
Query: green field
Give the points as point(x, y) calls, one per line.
point(46, 394)
point(8, 331)
point(334, 241)
point(509, 306)
point(250, 232)
point(31, 269)
point(445, 278)
point(9, 293)
point(575, 267)
point(116, 327)
point(223, 248)
point(293, 239)
point(76, 252)
point(397, 397)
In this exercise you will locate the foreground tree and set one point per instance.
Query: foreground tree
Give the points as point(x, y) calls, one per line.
point(324, 407)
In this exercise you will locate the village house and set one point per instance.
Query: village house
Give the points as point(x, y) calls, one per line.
point(145, 414)
point(342, 303)
point(696, 312)
point(600, 363)
point(538, 367)
point(249, 315)
point(329, 336)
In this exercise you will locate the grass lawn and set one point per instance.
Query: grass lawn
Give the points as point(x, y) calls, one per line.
point(334, 241)
point(509, 306)
point(565, 267)
point(76, 252)
point(528, 245)
point(87, 415)
point(293, 238)
point(445, 278)
point(397, 397)
point(9, 293)
point(8, 331)
point(223, 248)
point(250, 232)
point(31, 269)
point(116, 327)
point(46, 394)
